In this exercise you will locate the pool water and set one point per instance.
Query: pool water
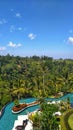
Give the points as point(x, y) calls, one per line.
point(70, 96)
point(8, 118)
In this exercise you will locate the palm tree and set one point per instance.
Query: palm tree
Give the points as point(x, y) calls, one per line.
point(48, 121)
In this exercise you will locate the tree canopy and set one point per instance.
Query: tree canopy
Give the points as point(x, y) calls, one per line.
point(34, 77)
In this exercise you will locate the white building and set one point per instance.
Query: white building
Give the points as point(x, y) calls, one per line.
point(19, 123)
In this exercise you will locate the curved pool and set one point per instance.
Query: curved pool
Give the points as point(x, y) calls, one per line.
point(70, 96)
point(8, 118)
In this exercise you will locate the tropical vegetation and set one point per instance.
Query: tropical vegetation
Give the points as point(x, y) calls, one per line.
point(34, 77)
point(45, 119)
point(40, 77)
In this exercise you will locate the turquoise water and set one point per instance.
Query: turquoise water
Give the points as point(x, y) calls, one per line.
point(7, 120)
point(70, 96)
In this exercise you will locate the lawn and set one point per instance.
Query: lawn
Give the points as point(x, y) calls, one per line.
point(70, 121)
point(67, 120)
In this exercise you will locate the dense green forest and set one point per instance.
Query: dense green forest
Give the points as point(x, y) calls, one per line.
point(34, 77)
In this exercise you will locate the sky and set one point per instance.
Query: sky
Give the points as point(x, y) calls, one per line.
point(36, 27)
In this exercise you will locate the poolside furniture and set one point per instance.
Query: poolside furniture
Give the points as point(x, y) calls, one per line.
point(22, 127)
point(19, 127)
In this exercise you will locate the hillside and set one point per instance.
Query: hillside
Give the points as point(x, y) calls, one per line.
point(34, 77)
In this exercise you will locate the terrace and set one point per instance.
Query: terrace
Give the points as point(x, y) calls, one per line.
point(23, 123)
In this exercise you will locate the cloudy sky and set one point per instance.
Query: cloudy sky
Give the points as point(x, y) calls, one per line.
point(36, 27)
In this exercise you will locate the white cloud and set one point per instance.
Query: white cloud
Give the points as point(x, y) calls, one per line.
point(3, 21)
point(2, 48)
point(18, 45)
point(11, 44)
point(70, 40)
point(32, 36)
point(18, 15)
point(12, 28)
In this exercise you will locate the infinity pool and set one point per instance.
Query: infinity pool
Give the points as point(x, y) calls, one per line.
point(8, 118)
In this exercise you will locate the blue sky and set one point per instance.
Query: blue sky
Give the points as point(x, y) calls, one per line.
point(36, 27)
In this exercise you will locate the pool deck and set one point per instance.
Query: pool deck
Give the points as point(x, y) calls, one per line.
point(2, 111)
point(19, 122)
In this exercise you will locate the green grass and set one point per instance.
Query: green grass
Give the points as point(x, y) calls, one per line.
point(66, 120)
point(62, 123)
point(70, 121)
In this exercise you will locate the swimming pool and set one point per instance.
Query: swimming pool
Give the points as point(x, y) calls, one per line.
point(70, 96)
point(7, 120)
